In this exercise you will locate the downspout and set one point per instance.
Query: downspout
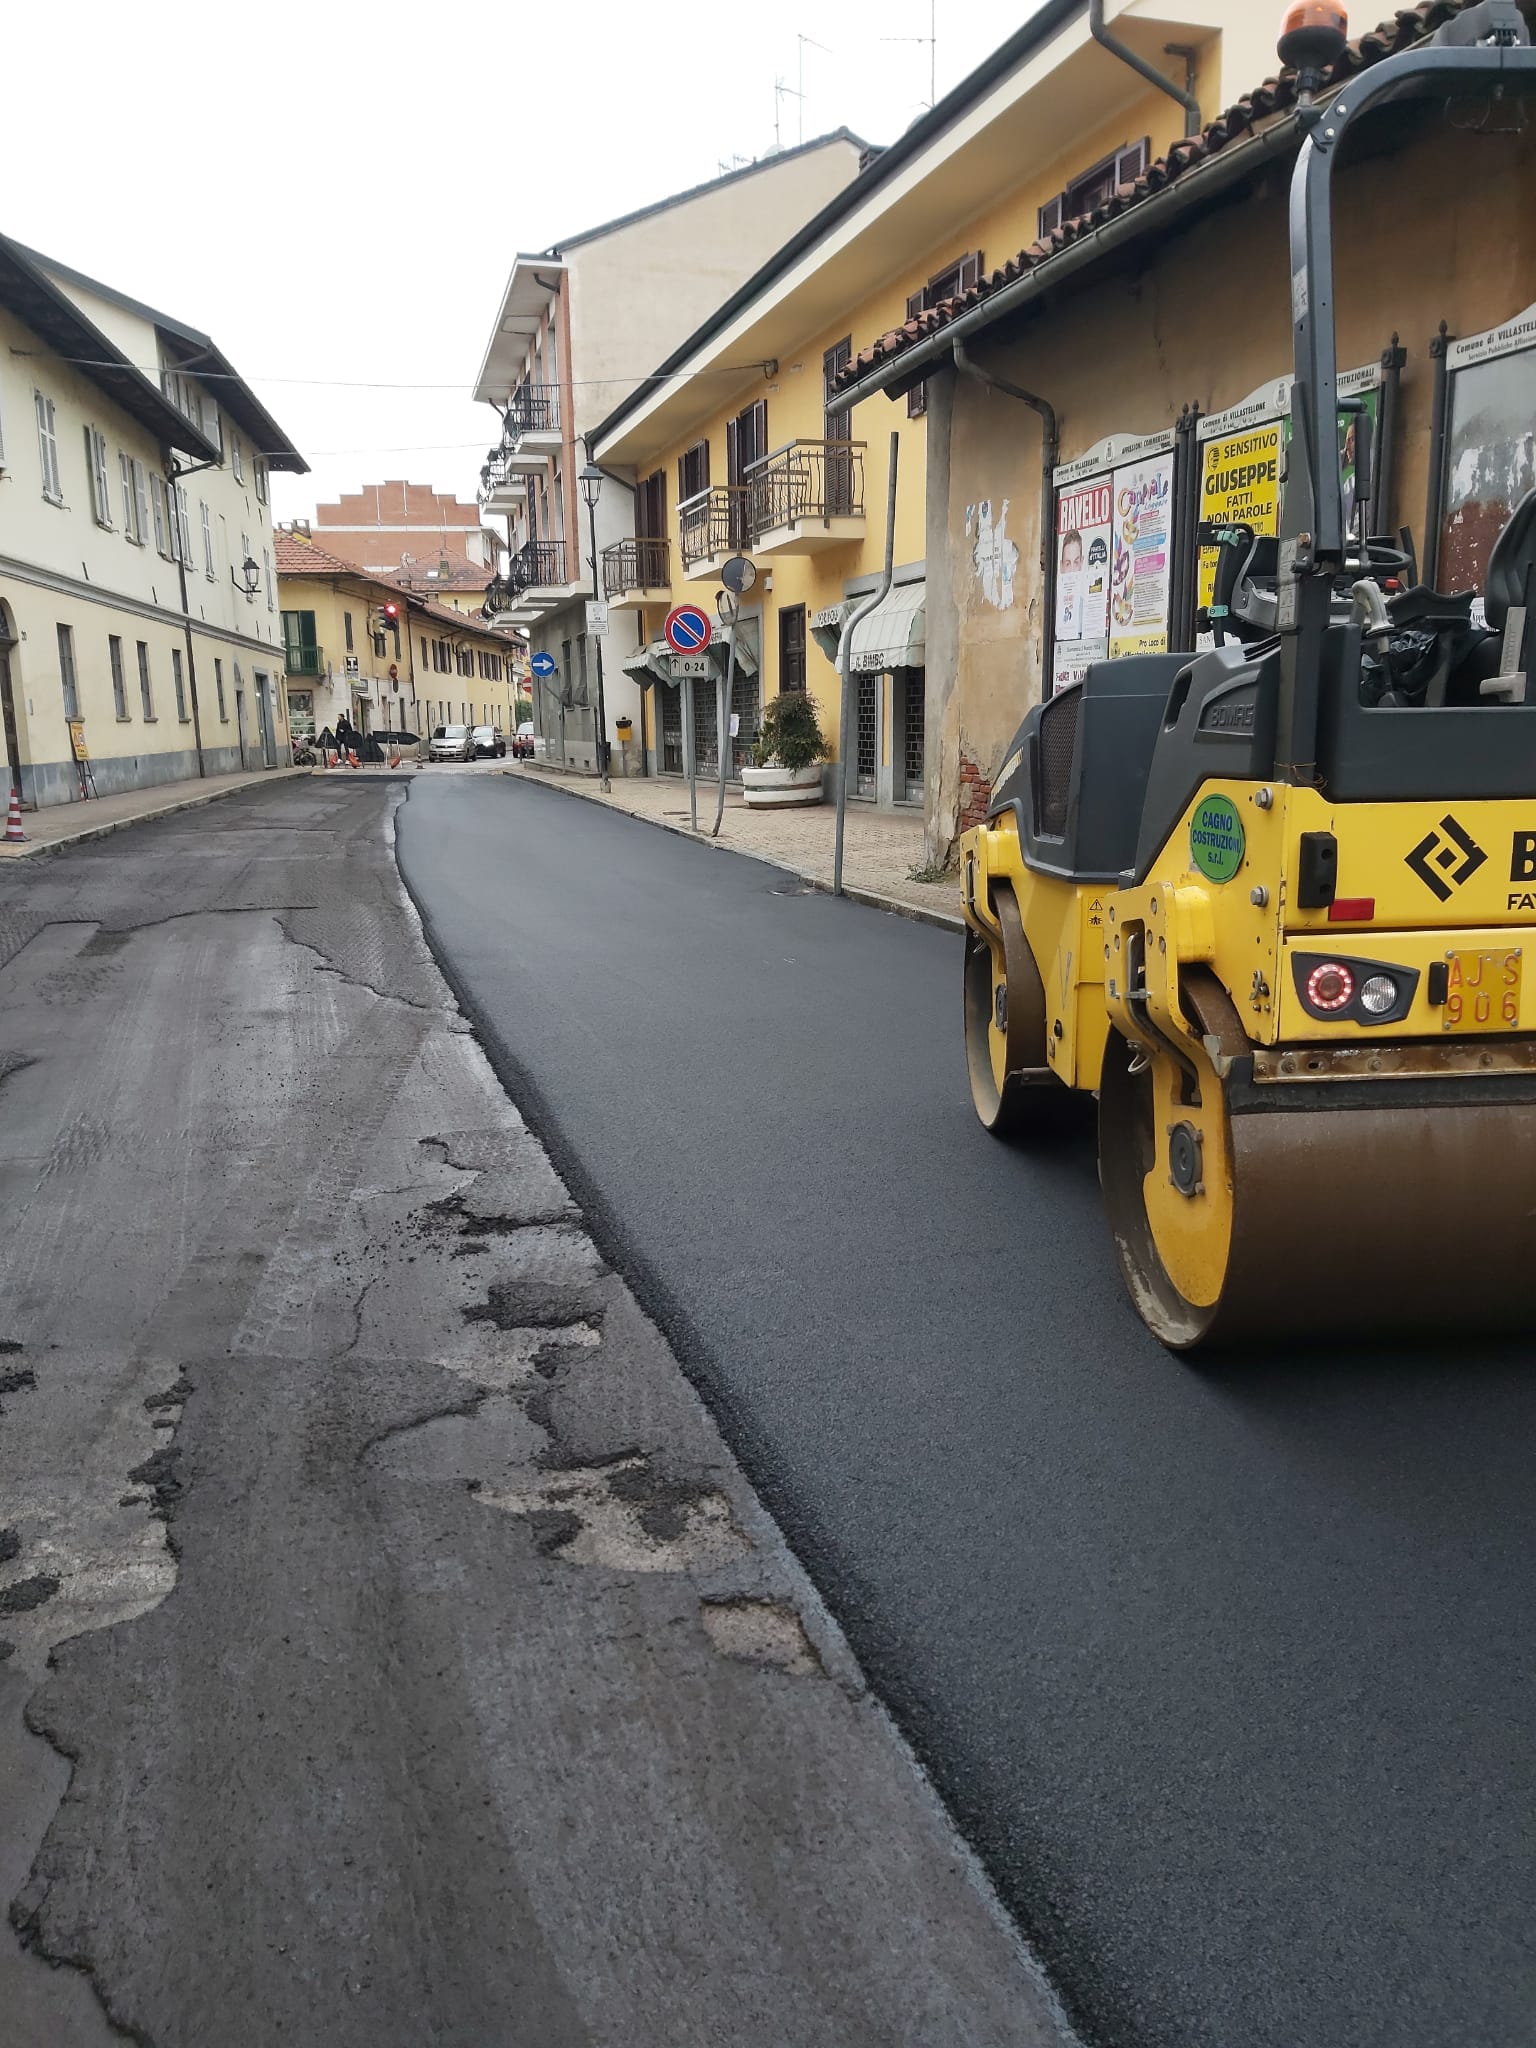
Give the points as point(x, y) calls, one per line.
point(184, 542)
point(1050, 455)
point(1193, 120)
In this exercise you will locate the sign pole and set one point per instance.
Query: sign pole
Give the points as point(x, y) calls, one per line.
point(846, 739)
point(688, 760)
point(730, 611)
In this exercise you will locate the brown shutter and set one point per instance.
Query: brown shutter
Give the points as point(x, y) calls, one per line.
point(917, 398)
point(1131, 163)
point(970, 273)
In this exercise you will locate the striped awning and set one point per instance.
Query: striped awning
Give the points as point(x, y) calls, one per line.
point(894, 633)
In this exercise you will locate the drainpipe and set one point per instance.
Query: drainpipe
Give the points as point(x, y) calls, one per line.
point(1050, 455)
point(184, 543)
point(1192, 117)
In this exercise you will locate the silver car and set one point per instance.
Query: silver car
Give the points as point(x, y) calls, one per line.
point(451, 743)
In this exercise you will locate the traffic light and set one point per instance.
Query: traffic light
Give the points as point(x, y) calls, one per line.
point(385, 619)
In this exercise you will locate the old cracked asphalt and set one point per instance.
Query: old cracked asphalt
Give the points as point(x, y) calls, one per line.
point(1227, 1671)
point(391, 1651)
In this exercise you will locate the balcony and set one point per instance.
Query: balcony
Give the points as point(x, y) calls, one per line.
point(806, 496)
point(502, 489)
point(637, 572)
point(533, 417)
point(713, 525)
point(303, 661)
point(536, 574)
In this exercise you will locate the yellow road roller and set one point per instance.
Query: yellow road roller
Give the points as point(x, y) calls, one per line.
point(1275, 903)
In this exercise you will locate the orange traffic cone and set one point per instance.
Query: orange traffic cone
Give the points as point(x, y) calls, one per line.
point(332, 760)
point(394, 759)
point(352, 760)
point(14, 836)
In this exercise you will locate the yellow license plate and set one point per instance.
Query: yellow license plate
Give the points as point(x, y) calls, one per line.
point(1483, 990)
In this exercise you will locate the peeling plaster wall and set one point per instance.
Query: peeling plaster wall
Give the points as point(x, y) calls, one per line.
point(1445, 230)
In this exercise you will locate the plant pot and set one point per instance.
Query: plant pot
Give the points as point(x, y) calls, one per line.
point(775, 789)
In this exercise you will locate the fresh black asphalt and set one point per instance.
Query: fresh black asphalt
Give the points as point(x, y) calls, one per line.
point(1227, 1671)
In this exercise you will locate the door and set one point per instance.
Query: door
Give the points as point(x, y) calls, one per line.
point(240, 725)
point(264, 721)
point(746, 442)
point(837, 431)
point(910, 696)
point(671, 728)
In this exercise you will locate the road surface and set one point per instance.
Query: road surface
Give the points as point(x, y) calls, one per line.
point(1226, 1670)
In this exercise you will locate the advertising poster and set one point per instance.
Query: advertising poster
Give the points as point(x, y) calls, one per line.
point(1140, 556)
point(1240, 486)
point(1084, 514)
point(1491, 448)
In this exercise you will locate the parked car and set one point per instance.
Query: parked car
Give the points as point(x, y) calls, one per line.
point(451, 743)
point(490, 742)
point(522, 741)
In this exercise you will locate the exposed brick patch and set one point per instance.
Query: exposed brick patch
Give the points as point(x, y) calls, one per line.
point(975, 792)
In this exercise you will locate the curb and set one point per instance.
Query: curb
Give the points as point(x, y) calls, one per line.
point(944, 920)
point(39, 848)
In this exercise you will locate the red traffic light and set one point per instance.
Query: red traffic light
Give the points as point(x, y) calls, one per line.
point(391, 612)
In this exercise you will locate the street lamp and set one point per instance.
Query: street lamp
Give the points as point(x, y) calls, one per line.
point(591, 482)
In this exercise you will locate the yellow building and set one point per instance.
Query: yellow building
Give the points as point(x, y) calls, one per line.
point(769, 462)
point(138, 603)
point(391, 660)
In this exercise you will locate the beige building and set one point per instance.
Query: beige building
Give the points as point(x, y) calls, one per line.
point(139, 631)
point(577, 328)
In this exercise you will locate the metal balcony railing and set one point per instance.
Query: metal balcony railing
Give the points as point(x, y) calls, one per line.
point(806, 480)
point(636, 565)
point(537, 565)
point(303, 660)
point(714, 521)
point(533, 409)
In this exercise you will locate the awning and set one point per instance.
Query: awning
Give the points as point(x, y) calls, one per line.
point(827, 629)
point(893, 635)
point(653, 664)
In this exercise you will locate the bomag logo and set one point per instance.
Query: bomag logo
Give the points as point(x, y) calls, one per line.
point(1446, 858)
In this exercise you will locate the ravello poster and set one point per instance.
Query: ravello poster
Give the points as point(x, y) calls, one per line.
point(1114, 511)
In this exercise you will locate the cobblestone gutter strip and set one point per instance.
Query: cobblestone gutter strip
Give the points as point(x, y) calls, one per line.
point(920, 913)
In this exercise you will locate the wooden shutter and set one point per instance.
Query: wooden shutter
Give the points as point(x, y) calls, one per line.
point(733, 451)
point(1051, 216)
point(970, 273)
point(1132, 161)
point(917, 398)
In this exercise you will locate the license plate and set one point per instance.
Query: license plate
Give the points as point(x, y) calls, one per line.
point(1482, 990)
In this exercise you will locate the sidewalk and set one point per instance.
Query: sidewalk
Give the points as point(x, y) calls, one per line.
point(880, 848)
point(67, 824)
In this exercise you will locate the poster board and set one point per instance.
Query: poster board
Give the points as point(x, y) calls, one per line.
point(1490, 449)
point(1243, 458)
point(1113, 542)
point(77, 746)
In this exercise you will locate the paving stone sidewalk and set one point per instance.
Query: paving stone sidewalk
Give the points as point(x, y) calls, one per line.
point(880, 848)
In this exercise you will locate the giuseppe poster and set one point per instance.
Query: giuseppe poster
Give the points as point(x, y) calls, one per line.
point(1239, 486)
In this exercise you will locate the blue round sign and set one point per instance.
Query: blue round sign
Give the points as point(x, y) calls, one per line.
point(687, 628)
point(543, 664)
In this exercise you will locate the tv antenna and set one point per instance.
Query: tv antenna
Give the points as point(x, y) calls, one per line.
point(932, 40)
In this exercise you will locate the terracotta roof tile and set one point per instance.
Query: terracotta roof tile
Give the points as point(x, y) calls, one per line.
point(298, 557)
point(1407, 26)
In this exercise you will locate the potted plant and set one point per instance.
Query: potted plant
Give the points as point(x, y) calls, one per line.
point(788, 754)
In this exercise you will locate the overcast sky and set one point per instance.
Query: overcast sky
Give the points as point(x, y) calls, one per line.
point(335, 192)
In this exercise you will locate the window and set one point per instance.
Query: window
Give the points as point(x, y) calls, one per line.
point(651, 505)
point(183, 526)
point(379, 645)
point(693, 471)
point(218, 685)
point(146, 693)
point(237, 460)
point(125, 478)
point(423, 651)
point(48, 449)
point(207, 541)
point(261, 479)
point(266, 569)
point(140, 503)
point(792, 647)
point(67, 671)
point(180, 682)
point(1096, 185)
point(96, 469)
point(157, 499)
point(746, 442)
point(346, 626)
point(947, 284)
point(119, 682)
point(245, 556)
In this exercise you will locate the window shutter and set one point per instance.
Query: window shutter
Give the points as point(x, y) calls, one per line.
point(1051, 216)
point(917, 397)
point(733, 451)
point(970, 272)
point(1131, 163)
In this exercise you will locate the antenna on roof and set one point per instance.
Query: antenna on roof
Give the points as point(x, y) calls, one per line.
point(932, 40)
point(802, 40)
point(782, 92)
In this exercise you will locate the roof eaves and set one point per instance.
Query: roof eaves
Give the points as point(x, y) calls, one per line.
point(1048, 19)
point(732, 177)
point(891, 363)
point(100, 360)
